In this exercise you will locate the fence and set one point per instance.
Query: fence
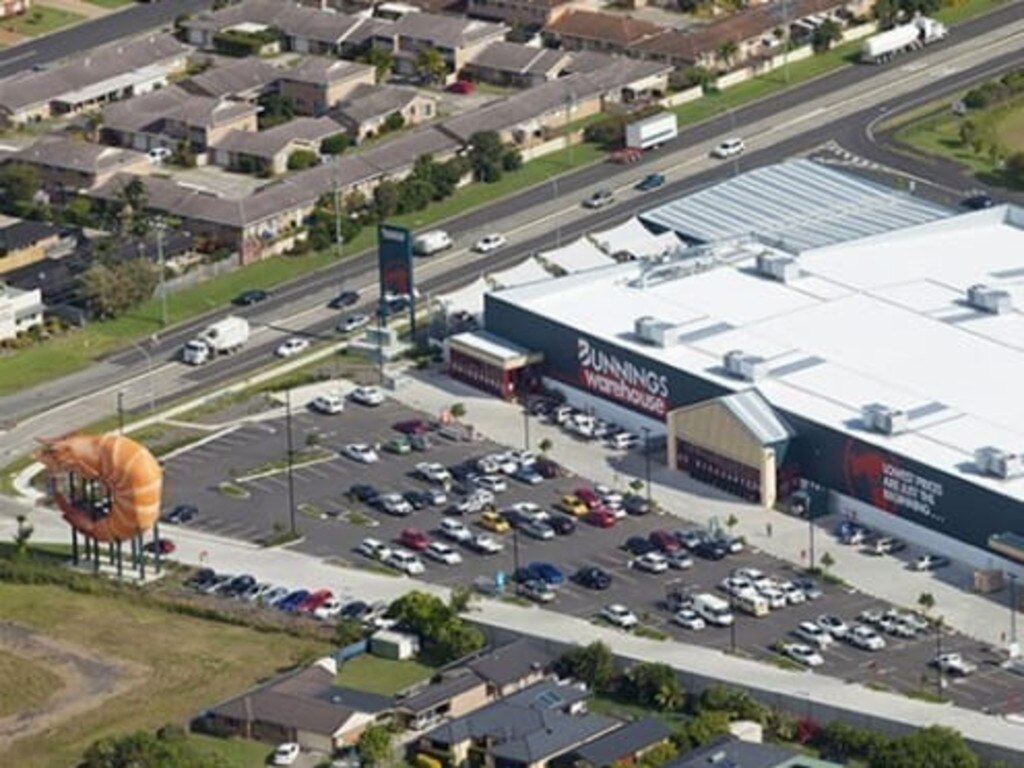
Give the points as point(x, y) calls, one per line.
point(201, 273)
point(551, 145)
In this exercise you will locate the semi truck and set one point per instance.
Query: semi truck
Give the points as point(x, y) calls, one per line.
point(652, 131)
point(429, 243)
point(919, 32)
point(220, 338)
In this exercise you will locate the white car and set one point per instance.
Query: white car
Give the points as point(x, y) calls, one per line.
point(158, 155)
point(291, 347)
point(652, 562)
point(395, 504)
point(361, 452)
point(328, 610)
point(443, 553)
point(734, 585)
point(954, 664)
point(486, 544)
point(491, 242)
point(753, 575)
point(803, 654)
point(433, 472)
point(506, 464)
point(370, 396)
point(776, 599)
point(729, 148)
point(374, 549)
point(688, 619)
point(620, 616)
point(406, 562)
point(530, 512)
point(329, 404)
point(285, 754)
point(794, 595)
point(492, 483)
point(609, 496)
point(865, 638)
point(353, 323)
point(456, 530)
point(812, 634)
point(833, 625)
point(680, 560)
point(523, 458)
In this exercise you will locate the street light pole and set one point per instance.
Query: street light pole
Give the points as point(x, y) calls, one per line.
point(163, 270)
point(1013, 609)
point(810, 533)
point(120, 412)
point(938, 654)
point(526, 428)
point(291, 479)
point(149, 373)
point(515, 551)
point(558, 220)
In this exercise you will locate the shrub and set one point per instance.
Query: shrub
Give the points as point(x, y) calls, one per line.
point(301, 159)
point(335, 145)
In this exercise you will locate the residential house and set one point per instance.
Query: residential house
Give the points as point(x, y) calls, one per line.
point(624, 746)
point(27, 242)
point(318, 83)
point(19, 311)
point(171, 116)
point(457, 39)
point(604, 32)
point(303, 707)
point(68, 164)
point(529, 729)
point(9, 8)
point(454, 695)
point(516, 65)
point(116, 71)
point(514, 666)
point(267, 152)
point(523, 13)
point(729, 751)
point(244, 79)
point(365, 110)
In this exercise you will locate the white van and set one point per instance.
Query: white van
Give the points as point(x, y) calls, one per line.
point(714, 610)
point(750, 602)
point(431, 242)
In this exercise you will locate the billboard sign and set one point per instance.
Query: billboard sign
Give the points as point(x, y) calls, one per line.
point(619, 378)
point(394, 260)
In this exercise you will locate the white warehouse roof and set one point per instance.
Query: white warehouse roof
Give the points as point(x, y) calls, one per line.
point(796, 205)
point(880, 320)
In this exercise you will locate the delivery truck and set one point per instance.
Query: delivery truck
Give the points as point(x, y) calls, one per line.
point(905, 37)
point(429, 243)
point(220, 338)
point(652, 131)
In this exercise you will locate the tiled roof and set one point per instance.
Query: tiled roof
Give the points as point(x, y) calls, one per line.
point(519, 59)
point(148, 112)
point(619, 30)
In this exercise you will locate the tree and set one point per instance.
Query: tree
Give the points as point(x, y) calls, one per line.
point(927, 601)
point(731, 522)
point(727, 51)
point(348, 631)
point(827, 33)
point(512, 160)
point(827, 561)
point(374, 745)
point(78, 211)
point(442, 631)
point(458, 411)
point(636, 485)
point(735, 702)
point(393, 122)
point(1014, 168)
point(545, 445)
point(592, 664)
point(167, 749)
point(658, 755)
point(385, 199)
point(301, 159)
point(655, 685)
point(381, 59)
point(485, 153)
point(459, 599)
point(276, 110)
point(111, 290)
point(968, 132)
point(706, 727)
point(431, 66)
point(18, 185)
point(885, 12)
point(22, 536)
point(335, 144)
point(134, 200)
point(935, 747)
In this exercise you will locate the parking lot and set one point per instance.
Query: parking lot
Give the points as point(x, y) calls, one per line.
point(332, 525)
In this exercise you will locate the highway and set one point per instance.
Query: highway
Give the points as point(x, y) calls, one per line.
point(792, 123)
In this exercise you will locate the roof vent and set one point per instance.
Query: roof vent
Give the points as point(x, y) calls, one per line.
point(999, 463)
point(740, 365)
point(653, 331)
point(717, 757)
point(883, 419)
point(992, 300)
point(777, 266)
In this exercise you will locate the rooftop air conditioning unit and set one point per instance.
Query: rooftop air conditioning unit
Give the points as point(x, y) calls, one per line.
point(992, 300)
point(883, 419)
point(777, 266)
point(740, 365)
point(998, 463)
point(653, 331)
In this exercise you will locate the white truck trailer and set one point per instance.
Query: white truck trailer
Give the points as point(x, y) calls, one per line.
point(652, 131)
point(429, 243)
point(220, 338)
point(905, 37)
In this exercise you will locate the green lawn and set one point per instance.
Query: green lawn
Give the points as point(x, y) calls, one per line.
point(110, 3)
point(26, 684)
point(41, 20)
point(961, 11)
point(230, 753)
point(608, 705)
point(383, 676)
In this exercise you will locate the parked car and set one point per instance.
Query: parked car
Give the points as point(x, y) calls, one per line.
point(929, 562)
point(529, 475)
point(443, 553)
point(328, 404)
point(360, 452)
point(599, 199)
point(650, 181)
point(393, 504)
point(954, 664)
point(588, 496)
point(547, 573)
point(456, 530)
point(711, 549)
point(414, 539)
point(370, 396)
point(399, 445)
point(181, 514)
point(464, 87)
point(813, 634)
point(413, 427)
point(562, 524)
point(292, 346)
point(664, 541)
point(314, 600)
point(638, 545)
point(250, 297)
point(406, 562)
point(652, 562)
point(803, 654)
point(364, 493)
point(573, 505)
point(865, 638)
point(494, 522)
point(977, 202)
point(433, 472)
point(620, 616)
point(729, 148)
point(285, 754)
point(492, 483)
point(834, 625)
point(536, 590)
point(374, 549)
point(680, 560)
point(538, 530)
point(601, 517)
point(486, 544)
point(688, 619)
point(344, 299)
point(636, 505)
point(491, 242)
point(592, 577)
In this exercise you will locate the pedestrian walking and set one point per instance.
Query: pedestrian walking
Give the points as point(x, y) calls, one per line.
point(768, 529)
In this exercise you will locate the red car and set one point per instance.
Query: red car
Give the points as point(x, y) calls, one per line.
point(664, 541)
point(588, 496)
point(163, 546)
point(601, 517)
point(413, 427)
point(626, 156)
point(465, 87)
point(315, 600)
point(414, 539)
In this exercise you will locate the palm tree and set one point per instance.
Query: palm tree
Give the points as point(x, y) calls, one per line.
point(727, 51)
point(431, 66)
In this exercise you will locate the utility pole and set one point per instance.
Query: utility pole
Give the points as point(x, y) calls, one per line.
point(162, 266)
point(120, 412)
point(785, 41)
point(291, 479)
point(338, 239)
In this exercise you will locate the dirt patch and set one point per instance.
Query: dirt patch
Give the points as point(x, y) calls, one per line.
point(9, 38)
point(87, 680)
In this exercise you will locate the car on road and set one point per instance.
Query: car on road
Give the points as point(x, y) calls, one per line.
point(538, 530)
point(414, 539)
point(161, 546)
point(494, 522)
point(592, 577)
point(374, 549)
point(537, 590)
point(443, 553)
point(456, 530)
point(360, 452)
point(650, 181)
point(599, 199)
point(181, 514)
point(369, 396)
point(573, 505)
point(250, 297)
point(328, 404)
point(285, 754)
point(433, 472)
point(652, 562)
point(353, 323)
point(364, 493)
point(485, 544)
point(620, 616)
point(344, 299)
point(601, 517)
point(687, 618)
point(929, 562)
point(834, 625)
point(491, 242)
point(813, 634)
point(977, 202)
point(406, 562)
point(547, 573)
point(731, 147)
point(865, 638)
point(292, 346)
point(953, 664)
point(803, 654)
point(626, 155)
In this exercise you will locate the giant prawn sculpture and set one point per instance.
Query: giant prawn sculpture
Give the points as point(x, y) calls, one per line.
point(127, 469)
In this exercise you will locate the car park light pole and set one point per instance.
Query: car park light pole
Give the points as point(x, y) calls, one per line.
point(647, 460)
point(515, 552)
point(291, 479)
point(810, 534)
point(1013, 609)
point(939, 681)
point(526, 427)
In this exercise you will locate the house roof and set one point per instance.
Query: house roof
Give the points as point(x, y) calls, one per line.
point(268, 143)
point(441, 30)
point(370, 102)
point(729, 751)
point(759, 419)
point(321, 70)
point(148, 113)
point(530, 726)
point(624, 742)
point(390, 156)
point(616, 29)
point(430, 695)
point(513, 662)
point(307, 700)
point(228, 76)
point(22, 234)
point(82, 156)
point(520, 59)
point(88, 69)
point(312, 23)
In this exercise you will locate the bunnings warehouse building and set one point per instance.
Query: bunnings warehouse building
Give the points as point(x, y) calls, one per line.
point(885, 373)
